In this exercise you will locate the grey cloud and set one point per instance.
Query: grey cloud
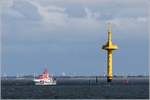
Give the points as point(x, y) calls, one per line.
point(27, 9)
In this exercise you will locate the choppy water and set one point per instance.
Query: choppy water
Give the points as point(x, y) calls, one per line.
point(76, 89)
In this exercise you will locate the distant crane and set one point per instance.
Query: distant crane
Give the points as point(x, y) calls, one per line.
point(109, 46)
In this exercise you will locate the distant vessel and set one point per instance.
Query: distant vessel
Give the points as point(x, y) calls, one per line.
point(44, 79)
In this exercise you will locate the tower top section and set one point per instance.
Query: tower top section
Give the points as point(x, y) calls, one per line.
point(109, 45)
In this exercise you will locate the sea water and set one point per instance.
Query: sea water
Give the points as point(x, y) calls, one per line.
point(77, 88)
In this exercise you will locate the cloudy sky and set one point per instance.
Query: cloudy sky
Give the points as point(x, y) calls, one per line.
point(66, 36)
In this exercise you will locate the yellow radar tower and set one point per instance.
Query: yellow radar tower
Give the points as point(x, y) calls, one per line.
point(109, 46)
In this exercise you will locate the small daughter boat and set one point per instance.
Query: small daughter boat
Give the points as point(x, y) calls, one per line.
point(44, 79)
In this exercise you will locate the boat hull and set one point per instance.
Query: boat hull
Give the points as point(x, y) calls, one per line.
point(44, 82)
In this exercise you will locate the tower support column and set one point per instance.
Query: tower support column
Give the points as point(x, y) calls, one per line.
point(109, 65)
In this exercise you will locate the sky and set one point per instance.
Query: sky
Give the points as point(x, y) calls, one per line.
point(66, 36)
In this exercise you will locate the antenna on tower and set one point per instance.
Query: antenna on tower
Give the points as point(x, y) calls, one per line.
point(109, 27)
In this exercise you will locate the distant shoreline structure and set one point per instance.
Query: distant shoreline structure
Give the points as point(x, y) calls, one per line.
point(115, 76)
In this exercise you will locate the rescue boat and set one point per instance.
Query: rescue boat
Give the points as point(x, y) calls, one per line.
point(44, 79)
